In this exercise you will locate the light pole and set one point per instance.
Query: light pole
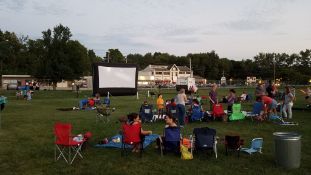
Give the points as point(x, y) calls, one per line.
point(274, 68)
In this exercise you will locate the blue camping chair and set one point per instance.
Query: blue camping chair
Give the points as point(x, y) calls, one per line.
point(107, 101)
point(171, 140)
point(196, 113)
point(257, 108)
point(146, 113)
point(204, 139)
point(172, 110)
point(279, 120)
point(256, 146)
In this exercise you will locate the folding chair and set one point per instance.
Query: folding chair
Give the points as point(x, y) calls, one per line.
point(131, 136)
point(204, 139)
point(170, 141)
point(233, 143)
point(103, 113)
point(64, 140)
point(218, 111)
point(256, 146)
point(280, 121)
point(146, 113)
point(172, 110)
point(106, 101)
point(257, 108)
point(196, 113)
point(236, 112)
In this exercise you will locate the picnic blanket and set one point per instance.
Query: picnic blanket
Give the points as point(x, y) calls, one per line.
point(148, 140)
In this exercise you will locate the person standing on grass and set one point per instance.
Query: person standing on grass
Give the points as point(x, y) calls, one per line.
point(260, 89)
point(288, 103)
point(160, 105)
point(213, 96)
point(181, 99)
point(230, 100)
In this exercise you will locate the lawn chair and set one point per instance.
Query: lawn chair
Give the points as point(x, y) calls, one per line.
point(103, 113)
point(233, 143)
point(106, 101)
point(218, 111)
point(204, 139)
point(172, 110)
point(257, 108)
point(196, 113)
point(170, 141)
point(236, 113)
point(131, 136)
point(64, 140)
point(279, 120)
point(146, 113)
point(256, 146)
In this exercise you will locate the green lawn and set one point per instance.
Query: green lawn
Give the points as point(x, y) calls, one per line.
point(26, 140)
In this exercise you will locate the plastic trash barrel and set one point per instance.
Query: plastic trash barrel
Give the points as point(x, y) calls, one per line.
point(287, 149)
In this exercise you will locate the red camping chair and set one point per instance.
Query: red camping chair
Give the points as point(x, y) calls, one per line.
point(64, 140)
point(131, 136)
point(218, 111)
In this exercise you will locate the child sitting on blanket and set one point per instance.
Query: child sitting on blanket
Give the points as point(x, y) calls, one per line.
point(134, 119)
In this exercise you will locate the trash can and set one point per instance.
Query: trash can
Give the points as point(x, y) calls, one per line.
point(287, 149)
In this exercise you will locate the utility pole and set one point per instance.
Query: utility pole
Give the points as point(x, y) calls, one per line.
point(274, 68)
point(190, 68)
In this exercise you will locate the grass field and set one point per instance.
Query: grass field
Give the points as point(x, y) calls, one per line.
point(26, 140)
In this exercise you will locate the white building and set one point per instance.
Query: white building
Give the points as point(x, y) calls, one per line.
point(162, 74)
point(251, 80)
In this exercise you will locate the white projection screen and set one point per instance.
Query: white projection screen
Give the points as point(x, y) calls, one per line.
point(117, 79)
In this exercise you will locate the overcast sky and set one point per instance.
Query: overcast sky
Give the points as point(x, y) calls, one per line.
point(235, 29)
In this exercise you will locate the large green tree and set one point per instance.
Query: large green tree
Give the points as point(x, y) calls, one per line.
point(63, 58)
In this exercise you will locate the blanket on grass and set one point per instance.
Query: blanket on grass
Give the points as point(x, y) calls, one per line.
point(148, 140)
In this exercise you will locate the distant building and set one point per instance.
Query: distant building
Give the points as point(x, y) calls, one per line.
point(223, 81)
point(251, 80)
point(156, 74)
point(18, 80)
point(21, 80)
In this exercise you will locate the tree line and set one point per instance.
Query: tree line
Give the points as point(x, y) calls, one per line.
point(55, 56)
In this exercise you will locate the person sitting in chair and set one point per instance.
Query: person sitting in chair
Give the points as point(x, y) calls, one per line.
point(134, 119)
point(97, 99)
point(169, 122)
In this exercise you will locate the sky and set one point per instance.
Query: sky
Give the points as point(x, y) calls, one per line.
point(235, 29)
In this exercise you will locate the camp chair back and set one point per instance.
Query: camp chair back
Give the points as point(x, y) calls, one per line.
point(257, 108)
point(205, 139)
point(233, 143)
point(107, 101)
point(218, 111)
point(236, 112)
point(196, 113)
point(146, 113)
point(131, 135)
point(256, 146)
point(171, 142)
point(63, 140)
point(172, 110)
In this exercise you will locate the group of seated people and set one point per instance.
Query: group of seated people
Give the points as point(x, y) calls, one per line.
point(137, 133)
point(92, 102)
point(195, 110)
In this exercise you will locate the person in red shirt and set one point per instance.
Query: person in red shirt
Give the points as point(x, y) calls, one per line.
point(270, 105)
